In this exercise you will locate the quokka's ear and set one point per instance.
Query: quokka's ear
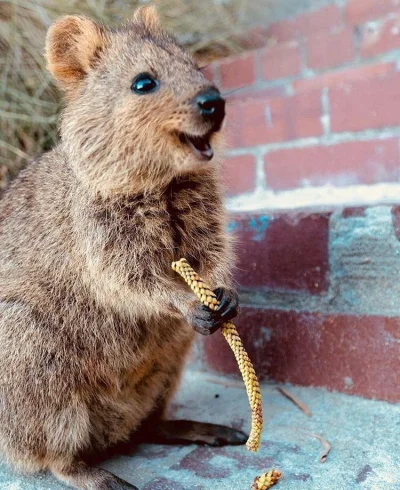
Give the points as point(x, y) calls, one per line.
point(73, 45)
point(148, 16)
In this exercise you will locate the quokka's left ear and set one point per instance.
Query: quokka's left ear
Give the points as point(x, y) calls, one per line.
point(73, 45)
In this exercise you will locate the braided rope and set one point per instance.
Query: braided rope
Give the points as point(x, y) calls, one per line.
point(208, 298)
point(266, 480)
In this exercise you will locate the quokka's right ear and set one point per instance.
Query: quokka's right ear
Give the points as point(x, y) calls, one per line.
point(73, 45)
point(148, 16)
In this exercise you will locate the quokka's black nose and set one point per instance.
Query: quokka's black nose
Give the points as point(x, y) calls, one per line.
point(212, 107)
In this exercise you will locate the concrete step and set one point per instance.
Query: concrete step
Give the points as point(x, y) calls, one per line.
point(364, 435)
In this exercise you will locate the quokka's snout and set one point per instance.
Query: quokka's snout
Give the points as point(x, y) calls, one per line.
point(211, 106)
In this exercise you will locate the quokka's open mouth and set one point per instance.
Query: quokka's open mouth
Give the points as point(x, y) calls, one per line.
point(200, 145)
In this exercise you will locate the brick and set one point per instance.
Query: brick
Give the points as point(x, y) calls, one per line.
point(369, 104)
point(328, 50)
point(294, 117)
point(238, 71)
point(209, 71)
point(360, 11)
point(343, 76)
point(321, 20)
point(324, 19)
point(281, 61)
point(283, 31)
point(318, 349)
point(305, 113)
point(239, 174)
point(253, 122)
point(286, 252)
point(354, 212)
point(352, 163)
point(251, 93)
point(261, 119)
point(236, 131)
point(277, 113)
point(233, 126)
point(378, 38)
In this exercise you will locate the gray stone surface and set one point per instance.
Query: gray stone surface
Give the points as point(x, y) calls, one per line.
point(364, 263)
point(364, 434)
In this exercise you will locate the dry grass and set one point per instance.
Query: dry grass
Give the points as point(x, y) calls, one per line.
point(30, 103)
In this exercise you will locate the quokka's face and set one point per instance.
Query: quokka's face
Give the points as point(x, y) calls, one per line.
point(139, 110)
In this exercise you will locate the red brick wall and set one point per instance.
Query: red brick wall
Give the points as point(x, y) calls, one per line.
point(317, 113)
point(320, 104)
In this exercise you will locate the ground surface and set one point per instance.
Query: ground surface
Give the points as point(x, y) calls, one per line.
point(364, 434)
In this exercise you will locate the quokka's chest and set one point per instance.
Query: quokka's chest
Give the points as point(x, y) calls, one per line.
point(182, 223)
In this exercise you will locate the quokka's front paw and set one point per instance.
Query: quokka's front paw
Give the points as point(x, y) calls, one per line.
point(206, 321)
point(228, 306)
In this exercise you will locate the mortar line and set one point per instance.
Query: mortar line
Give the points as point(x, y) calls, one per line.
point(307, 73)
point(320, 197)
point(325, 140)
point(326, 112)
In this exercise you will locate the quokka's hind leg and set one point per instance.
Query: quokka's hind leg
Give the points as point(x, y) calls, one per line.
point(83, 477)
point(187, 431)
point(158, 430)
point(43, 422)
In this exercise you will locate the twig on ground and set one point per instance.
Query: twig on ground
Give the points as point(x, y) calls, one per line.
point(326, 447)
point(227, 383)
point(296, 401)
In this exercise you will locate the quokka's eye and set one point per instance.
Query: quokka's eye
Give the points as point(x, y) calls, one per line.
point(144, 84)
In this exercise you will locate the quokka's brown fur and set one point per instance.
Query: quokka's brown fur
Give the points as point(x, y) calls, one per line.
point(94, 325)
